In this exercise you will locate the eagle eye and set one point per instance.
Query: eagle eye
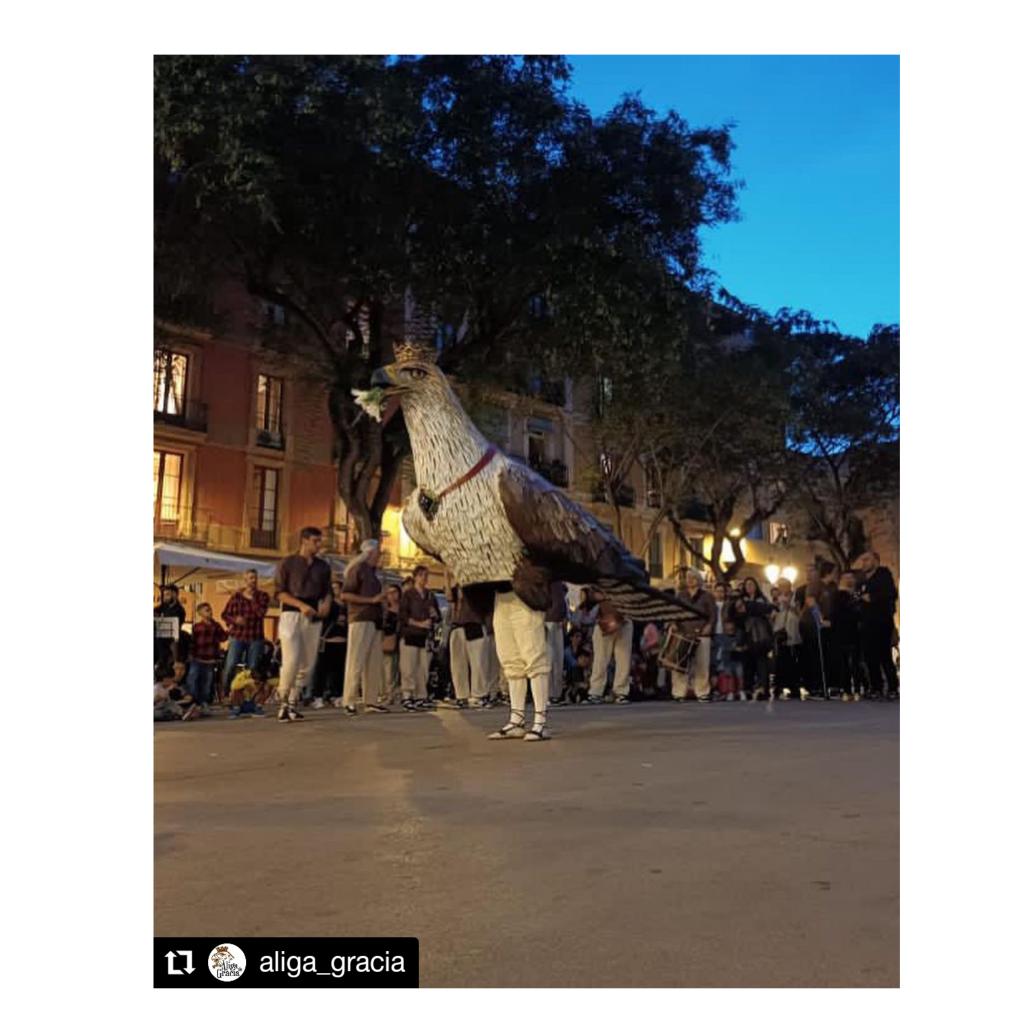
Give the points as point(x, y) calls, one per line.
point(415, 372)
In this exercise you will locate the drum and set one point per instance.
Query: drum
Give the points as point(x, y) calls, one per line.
point(677, 649)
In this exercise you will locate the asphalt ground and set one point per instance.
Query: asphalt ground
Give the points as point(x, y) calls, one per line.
point(719, 845)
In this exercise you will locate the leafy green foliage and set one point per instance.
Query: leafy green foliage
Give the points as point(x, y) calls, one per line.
point(336, 187)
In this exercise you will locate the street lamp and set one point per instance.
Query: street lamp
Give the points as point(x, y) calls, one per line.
point(790, 573)
point(772, 572)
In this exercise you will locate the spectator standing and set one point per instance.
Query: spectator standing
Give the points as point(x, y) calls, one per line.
point(808, 596)
point(554, 628)
point(878, 598)
point(364, 661)
point(303, 586)
point(243, 615)
point(787, 637)
point(329, 676)
point(417, 614)
point(723, 615)
point(467, 651)
point(698, 671)
point(207, 636)
point(650, 647)
point(389, 642)
point(846, 638)
point(752, 612)
point(166, 651)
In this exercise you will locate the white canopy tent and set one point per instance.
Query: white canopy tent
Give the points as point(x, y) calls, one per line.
point(183, 556)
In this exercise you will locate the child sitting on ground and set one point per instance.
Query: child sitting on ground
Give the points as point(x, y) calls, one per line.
point(171, 703)
point(246, 688)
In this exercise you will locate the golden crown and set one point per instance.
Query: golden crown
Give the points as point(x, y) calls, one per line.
point(414, 352)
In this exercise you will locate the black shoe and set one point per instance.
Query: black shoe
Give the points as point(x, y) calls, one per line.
point(282, 715)
point(409, 705)
point(293, 715)
point(351, 710)
point(623, 700)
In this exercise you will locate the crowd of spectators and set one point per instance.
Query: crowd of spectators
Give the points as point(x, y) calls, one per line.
point(832, 637)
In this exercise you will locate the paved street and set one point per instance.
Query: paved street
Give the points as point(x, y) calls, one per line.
point(647, 845)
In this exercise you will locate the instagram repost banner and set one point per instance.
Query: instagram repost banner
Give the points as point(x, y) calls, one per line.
point(286, 963)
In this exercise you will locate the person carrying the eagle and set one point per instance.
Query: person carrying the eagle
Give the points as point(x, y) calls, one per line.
point(503, 530)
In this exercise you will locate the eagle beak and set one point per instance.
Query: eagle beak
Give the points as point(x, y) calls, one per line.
point(383, 378)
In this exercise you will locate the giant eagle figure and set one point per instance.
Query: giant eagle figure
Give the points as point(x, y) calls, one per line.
point(504, 532)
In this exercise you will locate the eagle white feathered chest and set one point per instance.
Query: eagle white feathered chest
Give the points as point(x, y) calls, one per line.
point(504, 523)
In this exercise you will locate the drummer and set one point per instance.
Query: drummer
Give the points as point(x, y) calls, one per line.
point(698, 674)
point(613, 641)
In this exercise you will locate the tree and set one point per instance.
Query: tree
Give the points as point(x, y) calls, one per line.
point(728, 460)
point(846, 427)
point(337, 187)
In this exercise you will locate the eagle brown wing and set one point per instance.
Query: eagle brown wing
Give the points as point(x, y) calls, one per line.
point(565, 542)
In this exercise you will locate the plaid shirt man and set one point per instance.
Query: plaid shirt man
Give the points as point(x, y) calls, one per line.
point(251, 611)
point(206, 640)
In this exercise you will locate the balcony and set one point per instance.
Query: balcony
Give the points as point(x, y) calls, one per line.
point(555, 471)
point(266, 539)
point(191, 417)
point(167, 529)
point(270, 439)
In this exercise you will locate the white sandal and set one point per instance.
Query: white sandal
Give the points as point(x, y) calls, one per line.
point(510, 731)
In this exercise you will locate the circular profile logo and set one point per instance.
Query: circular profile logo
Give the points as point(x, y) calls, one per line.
point(227, 962)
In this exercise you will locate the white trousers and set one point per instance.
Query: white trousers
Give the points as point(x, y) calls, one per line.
point(520, 639)
point(618, 646)
point(556, 653)
point(699, 672)
point(300, 642)
point(470, 665)
point(364, 663)
point(414, 666)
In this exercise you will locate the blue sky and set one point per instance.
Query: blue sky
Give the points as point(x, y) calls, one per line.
point(817, 143)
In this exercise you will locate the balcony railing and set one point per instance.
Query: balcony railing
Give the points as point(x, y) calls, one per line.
point(270, 439)
point(555, 471)
point(191, 417)
point(203, 528)
point(263, 539)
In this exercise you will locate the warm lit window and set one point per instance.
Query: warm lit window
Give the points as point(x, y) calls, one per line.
point(170, 376)
point(269, 391)
point(166, 486)
point(265, 501)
